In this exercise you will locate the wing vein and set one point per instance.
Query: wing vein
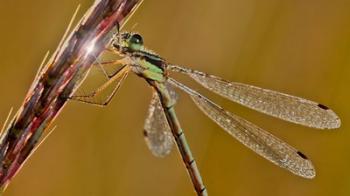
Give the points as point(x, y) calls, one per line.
point(252, 136)
point(280, 105)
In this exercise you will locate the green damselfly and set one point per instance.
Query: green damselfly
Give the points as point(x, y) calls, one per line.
point(162, 125)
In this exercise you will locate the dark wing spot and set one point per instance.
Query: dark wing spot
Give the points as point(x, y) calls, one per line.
point(145, 133)
point(302, 155)
point(323, 106)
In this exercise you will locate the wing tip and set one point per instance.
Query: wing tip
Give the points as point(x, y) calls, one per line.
point(311, 174)
point(334, 120)
point(300, 165)
point(336, 123)
point(308, 171)
point(325, 119)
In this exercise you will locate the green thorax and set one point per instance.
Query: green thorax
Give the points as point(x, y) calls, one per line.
point(150, 66)
point(145, 63)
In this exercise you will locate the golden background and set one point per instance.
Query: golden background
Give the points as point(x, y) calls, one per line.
point(294, 46)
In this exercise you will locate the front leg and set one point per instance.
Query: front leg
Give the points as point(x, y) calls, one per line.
point(120, 75)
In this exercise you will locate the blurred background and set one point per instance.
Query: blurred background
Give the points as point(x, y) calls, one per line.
point(297, 47)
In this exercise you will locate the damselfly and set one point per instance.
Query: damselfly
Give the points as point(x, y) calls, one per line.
point(162, 124)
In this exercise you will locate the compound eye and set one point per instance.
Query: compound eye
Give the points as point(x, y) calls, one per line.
point(136, 39)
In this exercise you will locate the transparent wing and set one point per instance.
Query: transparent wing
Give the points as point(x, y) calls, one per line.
point(280, 105)
point(255, 138)
point(157, 132)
